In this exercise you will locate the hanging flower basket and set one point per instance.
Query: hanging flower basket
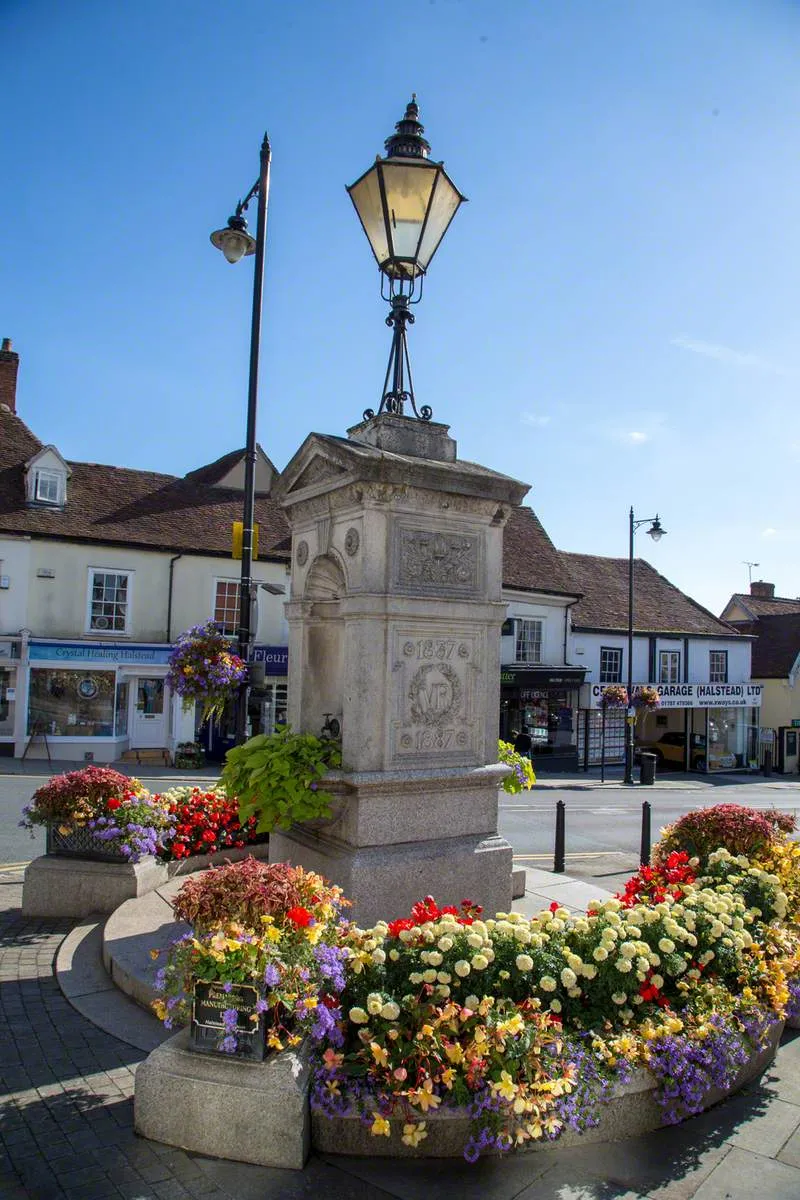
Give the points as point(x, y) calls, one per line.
point(615, 696)
point(202, 668)
point(647, 697)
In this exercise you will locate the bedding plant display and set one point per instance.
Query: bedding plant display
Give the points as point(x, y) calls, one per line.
point(121, 815)
point(522, 777)
point(526, 1024)
point(272, 927)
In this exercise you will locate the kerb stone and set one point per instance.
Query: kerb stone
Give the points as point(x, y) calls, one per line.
point(248, 1112)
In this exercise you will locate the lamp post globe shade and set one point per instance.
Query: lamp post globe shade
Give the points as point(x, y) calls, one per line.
point(655, 531)
point(405, 202)
point(234, 241)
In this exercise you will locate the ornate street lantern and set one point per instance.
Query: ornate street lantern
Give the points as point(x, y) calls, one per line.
point(405, 204)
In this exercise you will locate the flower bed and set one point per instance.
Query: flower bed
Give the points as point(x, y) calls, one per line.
point(98, 813)
point(508, 1031)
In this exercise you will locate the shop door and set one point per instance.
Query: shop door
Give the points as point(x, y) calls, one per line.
point(791, 757)
point(149, 718)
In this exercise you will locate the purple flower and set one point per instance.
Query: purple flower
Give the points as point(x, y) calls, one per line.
point(230, 1018)
point(228, 1044)
point(272, 975)
point(226, 987)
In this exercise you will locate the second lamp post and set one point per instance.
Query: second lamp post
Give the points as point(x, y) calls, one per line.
point(655, 532)
point(235, 243)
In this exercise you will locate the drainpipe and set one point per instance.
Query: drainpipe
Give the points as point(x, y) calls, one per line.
point(172, 562)
point(566, 629)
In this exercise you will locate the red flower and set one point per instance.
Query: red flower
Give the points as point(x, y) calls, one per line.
point(299, 916)
point(113, 803)
point(554, 906)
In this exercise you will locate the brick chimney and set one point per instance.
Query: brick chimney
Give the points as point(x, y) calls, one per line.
point(9, 365)
point(765, 591)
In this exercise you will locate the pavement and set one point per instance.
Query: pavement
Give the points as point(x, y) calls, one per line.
point(66, 1121)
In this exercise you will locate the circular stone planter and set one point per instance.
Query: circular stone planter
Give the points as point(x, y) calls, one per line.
point(631, 1110)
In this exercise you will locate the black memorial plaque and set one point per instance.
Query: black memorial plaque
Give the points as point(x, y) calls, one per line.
point(209, 1002)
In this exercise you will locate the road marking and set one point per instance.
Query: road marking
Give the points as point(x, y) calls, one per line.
point(576, 854)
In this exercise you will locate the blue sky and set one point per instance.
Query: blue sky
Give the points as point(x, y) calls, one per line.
point(614, 317)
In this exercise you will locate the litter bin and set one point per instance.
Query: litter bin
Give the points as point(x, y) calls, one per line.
point(647, 770)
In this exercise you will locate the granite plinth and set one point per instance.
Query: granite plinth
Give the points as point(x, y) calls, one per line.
point(225, 1108)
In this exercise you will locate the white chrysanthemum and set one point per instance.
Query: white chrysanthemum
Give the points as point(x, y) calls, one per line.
point(666, 945)
point(358, 1016)
point(374, 1003)
point(462, 968)
point(429, 975)
point(547, 983)
point(474, 940)
point(378, 957)
point(471, 1001)
point(524, 962)
point(624, 966)
point(568, 977)
point(445, 943)
point(390, 1011)
point(628, 950)
point(443, 977)
point(394, 955)
point(619, 997)
point(600, 954)
point(480, 962)
point(434, 958)
point(555, 1006)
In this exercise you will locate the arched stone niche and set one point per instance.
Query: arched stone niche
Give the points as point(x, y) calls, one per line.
point(323, 650)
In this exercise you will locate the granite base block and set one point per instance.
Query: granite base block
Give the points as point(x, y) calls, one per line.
point(383, 882)
point(74, 887)
point(225, 1108)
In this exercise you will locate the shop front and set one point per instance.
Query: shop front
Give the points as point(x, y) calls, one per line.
point(9, 653)
point(92, 701)
point(544, 702)
point(266, 703)
point(702, 727)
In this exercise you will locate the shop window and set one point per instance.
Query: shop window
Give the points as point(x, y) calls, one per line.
point(71, 703)
point(226, 606)
point(669, 666)
point(7, 701)
point(610, 664)
point(528, 641)
point(109, 601)
point(121, 710)
point(718, 666)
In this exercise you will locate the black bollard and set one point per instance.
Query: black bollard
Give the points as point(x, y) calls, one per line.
point(558, 861)
point(644, 851)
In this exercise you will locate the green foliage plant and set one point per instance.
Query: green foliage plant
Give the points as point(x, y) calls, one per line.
point(276, 777)
point(522, 776)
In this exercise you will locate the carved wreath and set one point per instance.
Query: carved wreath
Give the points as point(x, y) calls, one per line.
point(424, 715)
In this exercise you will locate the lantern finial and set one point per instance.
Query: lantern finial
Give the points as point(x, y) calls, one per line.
point(408, 142)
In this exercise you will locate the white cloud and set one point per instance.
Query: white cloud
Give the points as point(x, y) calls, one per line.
point(636, 438)
point(726, 354)
point(533, 419)
point(769, 532)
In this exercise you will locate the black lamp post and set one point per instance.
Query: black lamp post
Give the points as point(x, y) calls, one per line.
point(656, 533)
point(235, 243)
point(405, 204)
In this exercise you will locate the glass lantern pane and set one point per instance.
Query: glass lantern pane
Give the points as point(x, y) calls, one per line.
point(408, 187)
point(366, 197)
point(446, 200)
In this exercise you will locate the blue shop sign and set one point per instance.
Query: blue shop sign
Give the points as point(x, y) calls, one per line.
point(92, 652)
point(275, 658)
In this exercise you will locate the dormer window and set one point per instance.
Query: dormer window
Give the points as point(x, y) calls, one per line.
point(49, 487)
point(46, 476)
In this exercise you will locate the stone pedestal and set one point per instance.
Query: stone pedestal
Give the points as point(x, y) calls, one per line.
point(394, 629)
point(223, 1107)
point(74, 887)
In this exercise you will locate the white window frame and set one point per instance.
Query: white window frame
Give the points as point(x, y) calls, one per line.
point(129, 576)
point(603, 676)
point(236, 583)
point(669, 666)
point(520, 641)
point(717, 676)
point(50, 477)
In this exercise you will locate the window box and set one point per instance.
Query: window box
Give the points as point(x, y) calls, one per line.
point(81, 843)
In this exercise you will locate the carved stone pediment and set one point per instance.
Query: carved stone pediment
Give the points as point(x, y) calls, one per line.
point(319, 470)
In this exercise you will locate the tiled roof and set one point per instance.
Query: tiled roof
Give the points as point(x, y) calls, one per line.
point(530, 560)
point(777, 645)
point(137, 508)
point(658, 606)
point(764, 606)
